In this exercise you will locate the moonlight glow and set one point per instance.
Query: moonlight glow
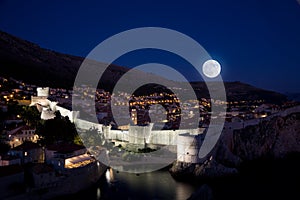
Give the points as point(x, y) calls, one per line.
point(211, 68)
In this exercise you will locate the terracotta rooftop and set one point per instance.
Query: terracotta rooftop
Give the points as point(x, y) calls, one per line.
point(19, 130)
point(27, 145)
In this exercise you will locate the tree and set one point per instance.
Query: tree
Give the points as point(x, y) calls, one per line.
point(91, 137)
point(78, 140)
point(59, 129)
point(13, 108)
point(30, 115)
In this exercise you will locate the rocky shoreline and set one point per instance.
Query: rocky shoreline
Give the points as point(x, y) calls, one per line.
point(272, 139)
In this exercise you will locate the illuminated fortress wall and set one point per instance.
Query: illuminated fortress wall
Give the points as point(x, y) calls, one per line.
point(40, 100)
point(86, 125)
point(141, 135)
point(188, 141)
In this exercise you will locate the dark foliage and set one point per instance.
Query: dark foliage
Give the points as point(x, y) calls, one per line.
point(59, 129)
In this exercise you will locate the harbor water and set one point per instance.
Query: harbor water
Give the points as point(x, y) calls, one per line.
point(148, 186)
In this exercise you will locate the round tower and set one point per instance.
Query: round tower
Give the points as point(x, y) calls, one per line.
point(188, 146)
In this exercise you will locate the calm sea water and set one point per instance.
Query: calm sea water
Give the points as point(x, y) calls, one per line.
point(121, 185)
point(262, 179)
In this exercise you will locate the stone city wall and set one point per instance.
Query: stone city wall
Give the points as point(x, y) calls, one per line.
point(86, 125)
point(72, 115)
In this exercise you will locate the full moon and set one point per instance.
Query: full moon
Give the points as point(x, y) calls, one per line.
point(211, 68)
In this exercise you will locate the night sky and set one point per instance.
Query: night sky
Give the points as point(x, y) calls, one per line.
point(256, 41)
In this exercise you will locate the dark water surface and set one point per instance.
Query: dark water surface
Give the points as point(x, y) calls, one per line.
point(146, 186)
point(261, 179)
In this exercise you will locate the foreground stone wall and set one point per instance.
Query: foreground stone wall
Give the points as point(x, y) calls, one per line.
point(9, 184)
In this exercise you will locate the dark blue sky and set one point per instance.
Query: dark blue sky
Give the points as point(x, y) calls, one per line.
point(256, 41)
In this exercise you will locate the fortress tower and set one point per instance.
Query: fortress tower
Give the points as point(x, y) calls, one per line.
point(48, 108)
point(188, 146)
point(42, 91)
point(41, 98)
